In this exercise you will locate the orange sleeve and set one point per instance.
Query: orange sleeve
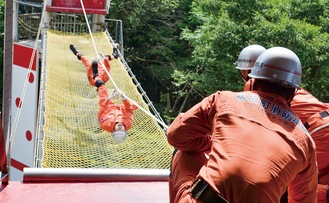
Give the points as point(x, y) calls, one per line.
point(301, 189)
point(127, 112)
point(129, 105)
point(191, 131)
point(102, 97)
point(304, 104)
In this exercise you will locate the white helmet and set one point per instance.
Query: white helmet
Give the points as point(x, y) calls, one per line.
point(119, 136)
point(280, 65)
point(248, 56)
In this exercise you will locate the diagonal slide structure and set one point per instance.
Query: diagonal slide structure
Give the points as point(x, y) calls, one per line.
point(71, 137)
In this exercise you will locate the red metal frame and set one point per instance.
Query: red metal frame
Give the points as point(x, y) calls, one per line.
point(3, 156)
point(88, 185)
point(74, 6)
point(100, 192)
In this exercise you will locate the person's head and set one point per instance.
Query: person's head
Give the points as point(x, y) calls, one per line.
point(247, 59)
point(277, 70)
point(119, 136)
point(119, 133)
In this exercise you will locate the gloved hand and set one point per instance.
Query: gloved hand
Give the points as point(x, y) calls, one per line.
point(112, 95)
point(123, 96)
point(75, 52)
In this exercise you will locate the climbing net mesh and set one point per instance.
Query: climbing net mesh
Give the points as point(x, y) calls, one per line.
point(72, 137)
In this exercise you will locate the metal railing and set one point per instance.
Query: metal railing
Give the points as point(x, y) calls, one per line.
point(71, 23)
point(28, 25)
point(118, 32)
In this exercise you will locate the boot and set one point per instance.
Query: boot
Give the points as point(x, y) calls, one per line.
point(115, 53)
point(73, 49)
point(94, 66)
point(75, 52)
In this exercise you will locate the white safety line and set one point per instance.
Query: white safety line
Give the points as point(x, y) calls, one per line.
point(103, 66)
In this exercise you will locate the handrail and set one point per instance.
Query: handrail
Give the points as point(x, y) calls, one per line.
point(33, 175)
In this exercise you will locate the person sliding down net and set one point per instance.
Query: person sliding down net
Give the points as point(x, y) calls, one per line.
point(95, 63)
point(114, 118)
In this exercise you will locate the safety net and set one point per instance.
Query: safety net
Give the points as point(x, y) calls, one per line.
point(72, 137)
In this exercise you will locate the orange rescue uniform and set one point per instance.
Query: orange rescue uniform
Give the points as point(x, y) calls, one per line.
point(101, 71)
point(308, 109)
point(315, 115)
point(110, 113)
point(258, 147)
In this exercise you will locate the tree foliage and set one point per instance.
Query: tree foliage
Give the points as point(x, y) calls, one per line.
point(221, 35)
point(184, 50)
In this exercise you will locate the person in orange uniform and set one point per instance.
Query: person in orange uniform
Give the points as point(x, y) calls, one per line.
point(315, 116)
point(96, 63)
point(256, 144)
point(247, 59)
point(114, 118)
point(313, 113)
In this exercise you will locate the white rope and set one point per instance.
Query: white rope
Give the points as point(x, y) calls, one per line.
point(103, 66)
point(17, 116)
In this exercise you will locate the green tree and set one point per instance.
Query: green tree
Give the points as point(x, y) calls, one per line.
point(184, 50)
point(228, 26)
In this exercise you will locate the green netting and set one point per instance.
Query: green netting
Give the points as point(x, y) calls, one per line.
point(72, 137)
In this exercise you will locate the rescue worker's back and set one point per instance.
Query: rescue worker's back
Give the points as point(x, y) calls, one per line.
point(257, 146)
point(251, 150)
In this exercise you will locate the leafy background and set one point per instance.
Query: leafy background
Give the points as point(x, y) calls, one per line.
point(184, 50)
